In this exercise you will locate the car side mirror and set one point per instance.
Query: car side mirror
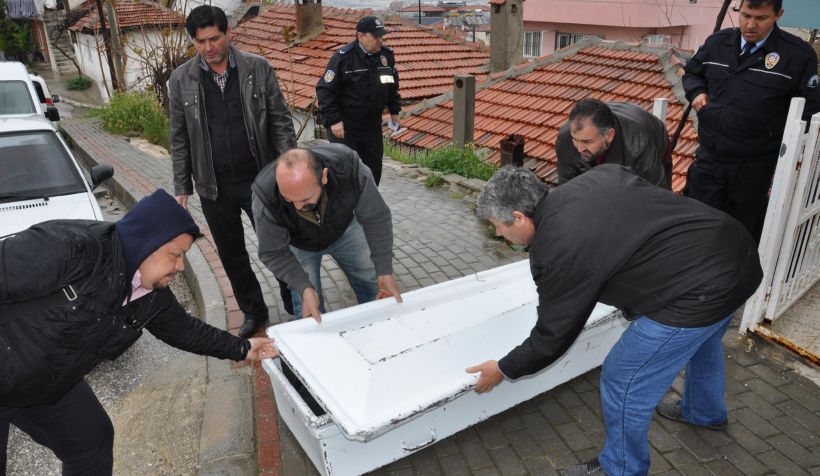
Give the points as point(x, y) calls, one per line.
point(52, 113)
point(55, 98)
point(100, 173)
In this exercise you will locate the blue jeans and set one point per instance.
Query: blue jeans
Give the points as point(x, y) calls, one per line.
point(352, 255)
point(637, 373)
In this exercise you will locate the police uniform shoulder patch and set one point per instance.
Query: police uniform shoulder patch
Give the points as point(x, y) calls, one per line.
point(383, 60)
point(329, 75)
point(771, 60)
point(813, 81)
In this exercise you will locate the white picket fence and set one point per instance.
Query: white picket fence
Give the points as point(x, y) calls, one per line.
point(790, 243)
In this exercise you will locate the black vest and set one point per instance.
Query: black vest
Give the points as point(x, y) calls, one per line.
point(230, 151)
point(343, 190)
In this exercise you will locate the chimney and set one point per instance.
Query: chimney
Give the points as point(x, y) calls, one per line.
point(308, 19)
point(506, 33)
point(463, 109)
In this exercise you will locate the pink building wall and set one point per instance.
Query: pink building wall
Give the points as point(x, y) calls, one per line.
point(686, 23)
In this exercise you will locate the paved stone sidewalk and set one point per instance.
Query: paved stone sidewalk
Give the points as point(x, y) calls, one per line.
point(774, 422)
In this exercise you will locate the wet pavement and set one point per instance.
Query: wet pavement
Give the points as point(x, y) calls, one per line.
point(774, 421)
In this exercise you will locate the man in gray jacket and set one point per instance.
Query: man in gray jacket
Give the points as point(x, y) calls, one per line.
point(614, 133)
point(318, 201)
point(228, 120)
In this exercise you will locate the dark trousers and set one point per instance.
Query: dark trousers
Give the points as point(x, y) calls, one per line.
point(76, 429)
point(367, 142)
point(224, 217)
point(739, 188)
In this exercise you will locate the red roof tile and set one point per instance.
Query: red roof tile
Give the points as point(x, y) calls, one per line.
point(534, 100)
point(130, 14)
point(426, 61)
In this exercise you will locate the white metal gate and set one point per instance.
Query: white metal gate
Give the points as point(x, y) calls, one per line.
point(790, 243)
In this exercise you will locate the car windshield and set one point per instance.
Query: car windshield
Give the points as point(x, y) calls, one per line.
point(36, 164)
point(15, 98)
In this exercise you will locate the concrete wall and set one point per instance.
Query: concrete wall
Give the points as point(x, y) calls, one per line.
point(687, 24)
point(94, 64)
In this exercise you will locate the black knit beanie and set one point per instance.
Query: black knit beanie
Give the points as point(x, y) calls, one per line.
point(152, 222)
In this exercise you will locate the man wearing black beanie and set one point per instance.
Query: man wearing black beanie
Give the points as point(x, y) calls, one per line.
point(74, 293)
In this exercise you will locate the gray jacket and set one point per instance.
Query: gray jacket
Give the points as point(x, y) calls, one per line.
point(641, 142)
point(351, 195)
point(267, 121)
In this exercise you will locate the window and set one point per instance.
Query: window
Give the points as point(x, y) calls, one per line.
point(562, 40)
point(15, 98)
point(532, 44)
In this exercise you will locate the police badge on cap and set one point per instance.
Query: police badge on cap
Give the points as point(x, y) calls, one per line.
point(372, 25)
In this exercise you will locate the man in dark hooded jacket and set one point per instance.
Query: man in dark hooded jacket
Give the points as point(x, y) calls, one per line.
point(74, 293)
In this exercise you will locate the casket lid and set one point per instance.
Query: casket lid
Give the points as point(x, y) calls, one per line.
point(377, 365)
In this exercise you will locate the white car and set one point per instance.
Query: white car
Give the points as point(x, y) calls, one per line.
point(46, 98)
point(18, 94)
point(40, 179)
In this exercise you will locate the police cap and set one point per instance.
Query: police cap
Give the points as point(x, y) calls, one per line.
point(372, 25)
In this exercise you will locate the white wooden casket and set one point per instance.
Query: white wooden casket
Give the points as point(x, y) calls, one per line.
point(391, 376)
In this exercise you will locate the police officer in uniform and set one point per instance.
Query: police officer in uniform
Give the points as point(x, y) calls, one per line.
point(741, 82)
point(360, 81)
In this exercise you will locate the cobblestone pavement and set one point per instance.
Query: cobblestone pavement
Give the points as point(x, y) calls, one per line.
point(774, 422)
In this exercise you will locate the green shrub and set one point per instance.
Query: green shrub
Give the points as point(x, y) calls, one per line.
point(135, 112)
point(80, 83)
point(15, 39)
point(447, 160)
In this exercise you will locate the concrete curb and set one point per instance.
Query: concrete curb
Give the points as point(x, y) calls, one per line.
point(227, 444)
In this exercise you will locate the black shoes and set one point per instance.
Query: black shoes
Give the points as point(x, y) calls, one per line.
point(590, 468)
point(671, 411)
point(250, 326)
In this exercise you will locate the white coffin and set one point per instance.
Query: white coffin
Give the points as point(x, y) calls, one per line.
point(391, 376)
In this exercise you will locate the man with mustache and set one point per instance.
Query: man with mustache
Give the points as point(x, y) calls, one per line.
point(741, 82)
point(228, 120)
point(76, 292)
point(614, 133)
point(324, 201)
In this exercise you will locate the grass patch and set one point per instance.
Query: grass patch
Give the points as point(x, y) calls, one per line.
point(447, 160)
point(135, 112)
point(80, 83)
point(433, 180)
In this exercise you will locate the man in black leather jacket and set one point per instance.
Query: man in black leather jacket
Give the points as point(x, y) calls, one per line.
point(614, 133)
point(228, 120)
point(74, 293)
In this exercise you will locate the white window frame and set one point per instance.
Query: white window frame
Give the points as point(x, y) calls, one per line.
point(532, 44)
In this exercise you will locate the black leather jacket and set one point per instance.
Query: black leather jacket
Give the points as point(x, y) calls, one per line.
point(44, 352)
point(641, 142)
point(267, 121)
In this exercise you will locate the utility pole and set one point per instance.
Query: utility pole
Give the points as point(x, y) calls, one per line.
point(419, 12)
point(108, 48)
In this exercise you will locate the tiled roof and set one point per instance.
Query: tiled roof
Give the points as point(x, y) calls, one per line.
point(130, 13)
point(534, 100)
point(426, 60)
